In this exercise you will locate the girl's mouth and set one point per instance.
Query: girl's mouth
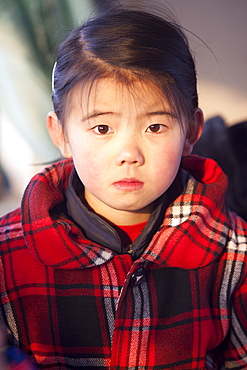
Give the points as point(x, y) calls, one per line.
point(128, 185)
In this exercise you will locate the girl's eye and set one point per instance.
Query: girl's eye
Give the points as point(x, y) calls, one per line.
point(102, 129)
point(157, 127)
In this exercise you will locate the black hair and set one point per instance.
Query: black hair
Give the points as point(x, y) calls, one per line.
point(128, 45)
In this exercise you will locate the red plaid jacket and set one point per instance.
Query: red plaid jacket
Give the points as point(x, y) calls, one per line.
point(71, 303)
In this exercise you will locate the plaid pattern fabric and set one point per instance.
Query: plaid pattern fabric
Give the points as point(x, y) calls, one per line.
point(72, 304)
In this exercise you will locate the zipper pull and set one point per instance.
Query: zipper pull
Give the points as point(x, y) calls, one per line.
point(130, 249)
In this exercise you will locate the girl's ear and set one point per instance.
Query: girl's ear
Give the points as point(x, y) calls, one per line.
point(57, 134)
point(195, 133)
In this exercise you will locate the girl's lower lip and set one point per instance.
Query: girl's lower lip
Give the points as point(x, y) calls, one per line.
point(128, 185)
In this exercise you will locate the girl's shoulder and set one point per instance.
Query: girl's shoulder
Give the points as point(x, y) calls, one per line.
point(10, 226)
point(239, 227)
point(11, 218)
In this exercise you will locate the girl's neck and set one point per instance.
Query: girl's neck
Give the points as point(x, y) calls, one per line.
point(115, 216)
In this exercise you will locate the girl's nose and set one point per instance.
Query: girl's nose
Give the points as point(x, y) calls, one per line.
point(130, 153)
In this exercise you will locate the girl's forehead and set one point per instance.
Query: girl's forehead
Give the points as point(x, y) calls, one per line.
point(110, 91)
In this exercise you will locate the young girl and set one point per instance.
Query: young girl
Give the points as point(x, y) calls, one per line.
point(125, 255)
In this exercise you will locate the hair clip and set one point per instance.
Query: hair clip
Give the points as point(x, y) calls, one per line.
point(52, 77)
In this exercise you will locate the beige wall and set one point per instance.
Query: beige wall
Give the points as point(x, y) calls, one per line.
point(222, 25)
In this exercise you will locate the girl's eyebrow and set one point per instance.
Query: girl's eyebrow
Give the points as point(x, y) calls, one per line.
point(96, 113)
point(160, 113)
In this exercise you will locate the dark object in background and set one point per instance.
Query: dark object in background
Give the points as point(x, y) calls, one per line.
point(228, 146)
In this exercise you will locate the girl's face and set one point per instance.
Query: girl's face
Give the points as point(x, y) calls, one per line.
point(126, 147)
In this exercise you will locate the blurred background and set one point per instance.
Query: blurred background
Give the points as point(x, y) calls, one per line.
point(30, 31)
